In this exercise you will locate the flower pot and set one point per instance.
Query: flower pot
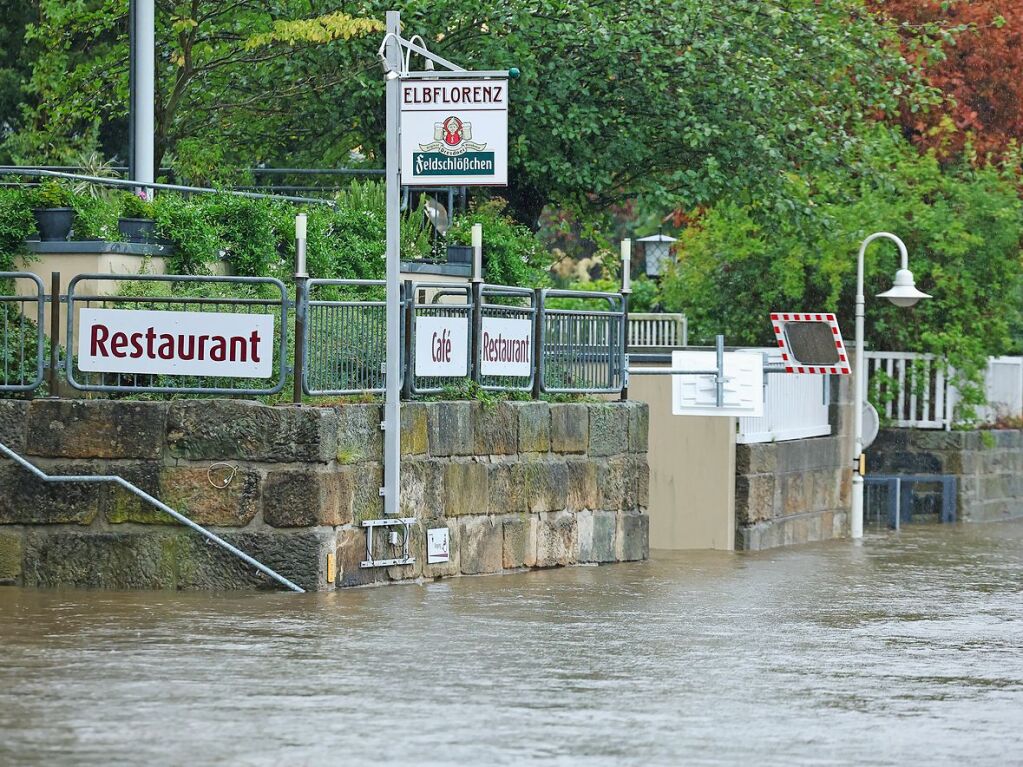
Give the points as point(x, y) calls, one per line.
point(137, 229)
point(459, 254)
point(54, 224)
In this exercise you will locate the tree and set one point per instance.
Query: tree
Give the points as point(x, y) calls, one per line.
point(979, 68)
point(961, 224)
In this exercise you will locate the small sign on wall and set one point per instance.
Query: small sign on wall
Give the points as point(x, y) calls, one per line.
point(506, 347)
point(442, 347)
point(437, 547)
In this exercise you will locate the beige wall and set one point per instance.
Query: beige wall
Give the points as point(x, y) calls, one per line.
point(692, 473)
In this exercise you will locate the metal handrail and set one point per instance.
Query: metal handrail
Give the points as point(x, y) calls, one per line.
point(120, 481)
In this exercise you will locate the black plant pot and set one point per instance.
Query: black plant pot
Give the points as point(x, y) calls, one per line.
point(54, 224)
point(459, 254)
point(137, 229)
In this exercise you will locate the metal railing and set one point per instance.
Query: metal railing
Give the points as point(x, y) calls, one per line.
point(795, 406)
point(582, 349)
point(503, 302)
point(22, 343)
point(207, 303)
point(448, 301)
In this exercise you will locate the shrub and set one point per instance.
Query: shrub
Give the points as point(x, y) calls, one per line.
point(52, 194)
point(511, 253)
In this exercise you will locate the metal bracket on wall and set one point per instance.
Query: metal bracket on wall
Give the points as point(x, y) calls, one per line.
point(404, 559)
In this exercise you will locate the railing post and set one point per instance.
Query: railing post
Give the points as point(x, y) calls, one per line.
point(538, 343)
point(409, 314)
point(301, 287)
point(54, 332)
point(626, 290)
point(476, 329)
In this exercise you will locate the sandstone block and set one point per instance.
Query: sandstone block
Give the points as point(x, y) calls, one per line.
point(596, 536)
point(452, 566)
point(642, 471)
point(547, 484)
point(583, 485)
point(507, 488)
point(359, 437)
point(422, 489)
point(482, 545)
point(351, 551)
point(13, 418)
point(11, 552)
point(415, 433)
point(24, 499)
point(556, 539)
point(534, 426)
point(304, 498)
point(570, 428)
point(465, 488)
point(497, 430)
point(617, 481)
point(796, 493)
point(609, 429)
point(451, 428)
point(249, 431)
point(365, 479)
point(299, 556)
point(519, 544)
point(96, 429)
point(633, 537)
point(120, 505)
point(757, 458)
point(109, 560)
point(639, 426)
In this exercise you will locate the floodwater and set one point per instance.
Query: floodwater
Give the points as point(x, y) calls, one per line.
point(905, 649)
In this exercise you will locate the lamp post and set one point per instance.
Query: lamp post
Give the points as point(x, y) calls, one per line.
point(903, 293)
point(656, 253)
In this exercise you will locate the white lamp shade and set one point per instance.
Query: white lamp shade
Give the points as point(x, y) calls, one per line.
point(903, 292)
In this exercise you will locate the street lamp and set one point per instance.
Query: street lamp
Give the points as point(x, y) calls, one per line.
point(903, 293)
point(656, 253)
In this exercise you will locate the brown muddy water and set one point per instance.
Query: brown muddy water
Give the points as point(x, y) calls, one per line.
point(906, 649)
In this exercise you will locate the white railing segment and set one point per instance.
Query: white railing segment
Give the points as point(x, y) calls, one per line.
point(916, 389)
point(657, 330)
point(795, 407)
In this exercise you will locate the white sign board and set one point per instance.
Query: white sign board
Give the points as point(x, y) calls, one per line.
point(454, 133)
point(437, 547)
point(697, 394)
point(506, 347)
point(442, 347)
point(176, 343)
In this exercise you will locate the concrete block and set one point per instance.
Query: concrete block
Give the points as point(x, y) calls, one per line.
point(24, 499)
point(465, 488)
point(482, 545)
point(632, 536)
point(596, 537)
point(96, 429)
point(304, 498)
point(422, 489)
point(13, 420)
point(497, 430)
point(519, 543)
point(507, 488)
point(534, 426)
point(556, 539)
point(359, 437)
point(452, 428)
point(609, 429)
point(415, 432)
point(249, 431)
point(570, 428)
point(11, 553)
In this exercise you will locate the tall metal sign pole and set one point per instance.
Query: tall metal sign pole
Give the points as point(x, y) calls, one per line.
point(143, 97)
point(392, 398)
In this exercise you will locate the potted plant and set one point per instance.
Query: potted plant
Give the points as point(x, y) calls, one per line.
point(136, 222)
point(53, 211)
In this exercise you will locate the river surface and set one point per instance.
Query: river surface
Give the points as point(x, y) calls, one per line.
point(906, 649)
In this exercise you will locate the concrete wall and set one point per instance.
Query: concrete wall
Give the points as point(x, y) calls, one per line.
point(988, 465)
point(692, 473)
point(797, 491)
point(518, 485)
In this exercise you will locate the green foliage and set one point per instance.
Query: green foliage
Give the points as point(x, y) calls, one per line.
point(186, 224)
point(961, 225)
point(136, 206)
point(512, 255)
point(16, 224)
point(95, 217)
point(52, 194)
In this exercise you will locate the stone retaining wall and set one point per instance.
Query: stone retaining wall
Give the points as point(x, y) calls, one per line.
point(988, 465)
point(517, 484)
point(791, 492)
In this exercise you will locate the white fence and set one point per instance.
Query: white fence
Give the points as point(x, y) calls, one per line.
point(918, 392)
point(657, 330)
point(795, 407)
